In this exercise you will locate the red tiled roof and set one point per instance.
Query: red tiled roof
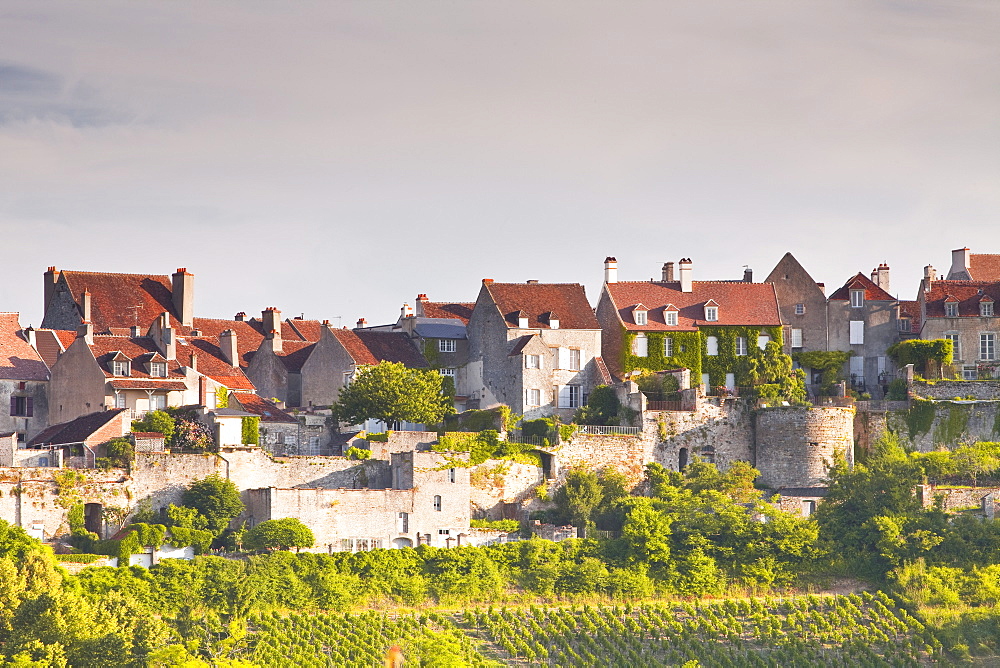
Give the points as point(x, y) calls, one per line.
point(984, 267)
point(211, 362)
point(967, 293)
point(861, 282)
point(146, 384)
point(146, 434)
point(18, 360)
point(371, 347)
point(569, 300)
point(75, 431)
point(267, 410)
point(123, 300)
point(459, 310)
point(911, 310)
point(248, 334)
point(304, 330)
point(739, 303)
point(602, 369)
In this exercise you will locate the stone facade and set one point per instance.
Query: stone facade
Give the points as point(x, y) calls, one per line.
point(802, 304)
point(966, 389)
point(796, 446)
point(870, 369)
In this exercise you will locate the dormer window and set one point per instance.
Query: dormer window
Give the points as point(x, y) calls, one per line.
point(986, 308)
point(522, 319)
point(121, 368)
point(857, 298)
point(670, 315)
point(711, 311)
point(951, 309)
point(158, 369)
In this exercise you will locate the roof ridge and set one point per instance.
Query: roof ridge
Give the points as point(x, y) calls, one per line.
point(108, 273)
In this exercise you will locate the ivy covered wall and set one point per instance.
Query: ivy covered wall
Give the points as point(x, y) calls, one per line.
point(687, 347)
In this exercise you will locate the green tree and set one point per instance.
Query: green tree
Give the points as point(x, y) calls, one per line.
point(602, 407)
point(217, 499)
point(392, 393)
point(927, 357)
point(121, 452)
point(158, 421)
point(972, 460)
point(579, 497)
point(282, 534)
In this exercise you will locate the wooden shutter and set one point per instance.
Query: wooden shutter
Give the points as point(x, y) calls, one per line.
point(857, 332)
point(563, 358)
point(29, 404)
point(13, 405)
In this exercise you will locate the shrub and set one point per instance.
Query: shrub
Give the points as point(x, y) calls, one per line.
point(357, 453)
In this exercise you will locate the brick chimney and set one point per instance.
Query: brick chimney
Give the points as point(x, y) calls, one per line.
point(747, 275)
point(960, 265)
point(274, 340)
point(685, 266)
point(421, 300)
point(668, 272)
point(240, 317)
point(610, 270)
point(85, 305)
point(85, 331)
point(930, 275)
point(406, 311)
point(227, 343)
point(362, 323)
point(168, 342)
point(51, 278)
point(270, 321)
point(182, 295)
point(487, 281)
point(880, 276)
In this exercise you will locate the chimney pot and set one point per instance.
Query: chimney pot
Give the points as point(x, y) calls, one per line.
point(362, 323)
point(487, 281)
point(240, 317)
point(610, 270)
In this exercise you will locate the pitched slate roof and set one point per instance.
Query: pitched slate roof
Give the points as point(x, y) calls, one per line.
point(123, 300)
point(295, 353)
point(267, 410)
point(519, 344)
point(536, 300)
point(873, 292)
point(739, 303)
point(984, 266)
point(968, 294)
point(18, 360)
point(75, 431)
point(371, 347)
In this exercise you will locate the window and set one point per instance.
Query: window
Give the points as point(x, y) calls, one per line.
point(741, 345)
point(955, 353)
point(640, 317)
point(444, 532)
point(670, 317)
point(763, 340)
point(904, 324)
point(157, 402)
point(986, 309)
point(987, 346)
point(951, 309)
point(711, 345)
point(857, 298)
point(668, 346)
point(158, 369)
point(800, 309)
point(711, 313)
point(532, 397)
point(119, 400)
point(532, 362)
point(569, 396)
point(120, 368)
point(796, 338)
point(21, 406)
point(857, 332)
point(404, 523)
point(448, 371)
point(437, 502)
point(452, 475)
point(640, 346)
point(446, 345)
point(574, 359)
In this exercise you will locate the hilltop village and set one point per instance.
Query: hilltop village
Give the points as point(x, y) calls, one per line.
point(783, 374)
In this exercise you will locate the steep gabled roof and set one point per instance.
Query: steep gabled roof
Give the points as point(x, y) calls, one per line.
point(52, 342)
point(984, 266)
point(456, 310)
point(75, 431)
point(267, 410)
point(123, 300)
point(303, 330)
point(248, 335)
point(968, 294)
point(295, 353)
point(873, 293)
point(569, 300)
point(371, 347)
point(18, 360)
point(753, 304)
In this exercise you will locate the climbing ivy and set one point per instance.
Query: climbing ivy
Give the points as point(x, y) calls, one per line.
point(829, 362)
point(222, 398)
point(950, 429)
point(687, 349)
point(251, 430)
point(919, 418)
point(727, 361)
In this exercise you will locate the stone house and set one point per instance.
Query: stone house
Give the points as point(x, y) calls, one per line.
point(712, 328)
point(865, 319)
point(965, 312)
point(969, 266)
point(24, 380)
point(802, 303)
point(140, 373)
point(78, 442)
point(426, 504)
point(534, 347)
point(361, 347)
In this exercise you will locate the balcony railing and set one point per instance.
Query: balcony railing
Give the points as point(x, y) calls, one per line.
point(599, 430)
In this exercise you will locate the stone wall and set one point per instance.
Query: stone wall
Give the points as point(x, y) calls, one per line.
point(626, 454)
point(496, 482)
point(955, 497)
point(795, 446)
point(721, 431)
point(953, 424)
point(963, 389)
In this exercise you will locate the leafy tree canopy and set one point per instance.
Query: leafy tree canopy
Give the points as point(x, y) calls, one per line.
point(391, 392)
point(282, 534)
point(217, 499)
point(602, 407)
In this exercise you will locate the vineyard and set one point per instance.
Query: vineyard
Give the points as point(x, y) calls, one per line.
point(853, 630)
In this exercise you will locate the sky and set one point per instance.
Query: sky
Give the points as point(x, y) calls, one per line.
point(336, 158)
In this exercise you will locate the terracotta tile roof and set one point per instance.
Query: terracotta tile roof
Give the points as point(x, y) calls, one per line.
point(739, 303)
point(966, 293)
point(984, 267)
point(248, 334)
point(75, 431)
point(304, 330)
point(212, 363)
point(372, 347)
point(146, 384)
point(18, 360)
point(123, 300)
point(861, 282)
point(911, 310)
point(602, 369)
point(460, 310)
point(146, 434)
point(267, 410)
point(569, 300)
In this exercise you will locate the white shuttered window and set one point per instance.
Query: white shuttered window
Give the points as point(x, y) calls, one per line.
point(857, 332)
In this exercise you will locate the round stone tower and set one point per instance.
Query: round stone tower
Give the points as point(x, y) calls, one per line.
point(796, 446)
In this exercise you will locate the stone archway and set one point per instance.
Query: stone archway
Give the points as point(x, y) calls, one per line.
point(399, 543)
